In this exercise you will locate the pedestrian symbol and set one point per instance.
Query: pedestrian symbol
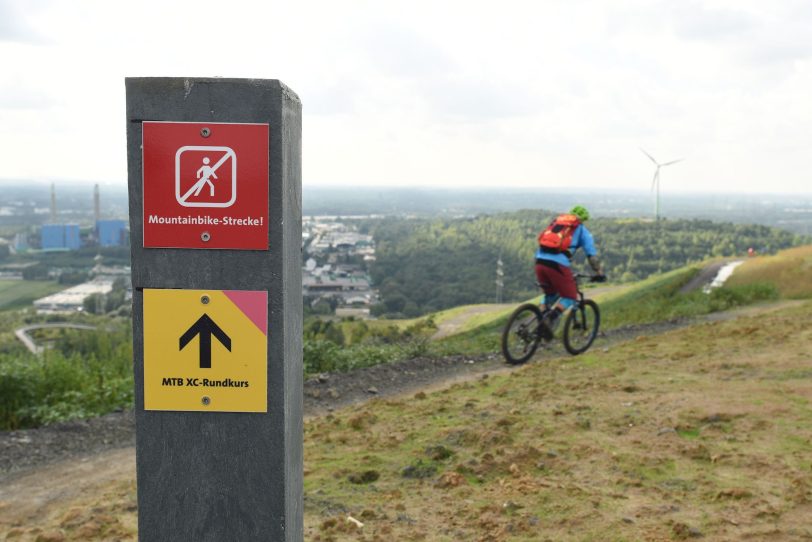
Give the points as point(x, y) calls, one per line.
point(193, 173)
point(204, 174)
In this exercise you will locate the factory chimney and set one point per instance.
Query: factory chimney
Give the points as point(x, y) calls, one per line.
point(96, 211)
point(96, 204)
point(53, 204)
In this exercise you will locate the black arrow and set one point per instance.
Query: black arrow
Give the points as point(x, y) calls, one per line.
point(205, 327)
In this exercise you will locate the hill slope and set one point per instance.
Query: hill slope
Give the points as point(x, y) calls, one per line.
point(704, 431)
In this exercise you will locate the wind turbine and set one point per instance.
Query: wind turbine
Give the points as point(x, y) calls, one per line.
point(655, 183)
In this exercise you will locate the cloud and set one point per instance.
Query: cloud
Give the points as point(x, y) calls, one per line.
point(772, 36)
point(14, 25)
point(15, 97)
point(395, 50)
point(695, 21)
point(780, 52)
point(331, 98)
point(469, 98)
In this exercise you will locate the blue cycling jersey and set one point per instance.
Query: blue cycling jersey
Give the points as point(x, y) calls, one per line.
point(581, 238)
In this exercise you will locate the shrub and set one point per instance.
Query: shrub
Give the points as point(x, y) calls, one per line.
point(87, 375)
point(728, 297)
point(37, 390)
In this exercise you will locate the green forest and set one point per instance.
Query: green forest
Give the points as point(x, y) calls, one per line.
point(426, 265)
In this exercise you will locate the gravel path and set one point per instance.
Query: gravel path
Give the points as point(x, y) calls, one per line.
point(24, 450)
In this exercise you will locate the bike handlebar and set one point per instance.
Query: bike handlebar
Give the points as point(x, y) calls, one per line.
point(592, 278)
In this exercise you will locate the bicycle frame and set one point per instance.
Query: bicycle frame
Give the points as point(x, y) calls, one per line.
point(579, 302)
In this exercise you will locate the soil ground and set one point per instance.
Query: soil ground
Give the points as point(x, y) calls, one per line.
point(56, 482)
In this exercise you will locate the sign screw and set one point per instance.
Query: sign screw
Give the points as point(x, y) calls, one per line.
point(205, 132)
point(205, 300)
point(205, 236)
point(206, 401)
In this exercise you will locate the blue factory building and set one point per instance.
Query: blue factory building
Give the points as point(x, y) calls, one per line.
point(112, 233)
point(60, 237)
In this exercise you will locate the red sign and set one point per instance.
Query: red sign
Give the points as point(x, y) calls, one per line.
point(205, 185)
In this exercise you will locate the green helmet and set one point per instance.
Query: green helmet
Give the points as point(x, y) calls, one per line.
point(581, 212)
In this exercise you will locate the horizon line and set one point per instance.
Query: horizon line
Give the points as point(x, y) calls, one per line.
point(22, 182)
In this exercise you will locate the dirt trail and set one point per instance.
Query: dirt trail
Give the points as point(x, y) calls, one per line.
point(42, 493)
point(453, 325)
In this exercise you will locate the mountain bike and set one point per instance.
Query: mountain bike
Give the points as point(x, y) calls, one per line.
point(524, 330)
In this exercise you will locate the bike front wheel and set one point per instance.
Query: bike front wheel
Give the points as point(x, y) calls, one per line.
point(520, 338)
point(581, 327)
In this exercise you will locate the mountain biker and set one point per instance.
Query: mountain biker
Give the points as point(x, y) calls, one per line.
point(553, 269)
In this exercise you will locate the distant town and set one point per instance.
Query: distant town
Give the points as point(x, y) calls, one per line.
point(335, 277)
point(89, 254)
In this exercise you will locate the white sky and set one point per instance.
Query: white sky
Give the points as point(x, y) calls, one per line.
point(508, 93)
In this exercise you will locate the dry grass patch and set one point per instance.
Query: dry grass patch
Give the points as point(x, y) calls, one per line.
point(664, 438)
point(790, 271)
point(110, 513)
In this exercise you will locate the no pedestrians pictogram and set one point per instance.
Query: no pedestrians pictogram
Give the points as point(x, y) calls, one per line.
point(197, 183)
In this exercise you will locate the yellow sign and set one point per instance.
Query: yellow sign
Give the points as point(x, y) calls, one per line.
point(206, 350)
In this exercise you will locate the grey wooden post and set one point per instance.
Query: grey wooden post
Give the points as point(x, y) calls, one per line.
point(224, 476)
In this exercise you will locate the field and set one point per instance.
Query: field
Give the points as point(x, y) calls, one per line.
point(16, 294)
point(701, 432)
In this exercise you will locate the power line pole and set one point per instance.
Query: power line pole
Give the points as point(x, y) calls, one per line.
point(500, 283)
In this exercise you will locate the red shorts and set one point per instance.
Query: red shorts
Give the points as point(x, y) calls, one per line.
point(556, 279)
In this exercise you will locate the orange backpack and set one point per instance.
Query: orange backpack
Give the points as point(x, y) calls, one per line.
point(557, 238)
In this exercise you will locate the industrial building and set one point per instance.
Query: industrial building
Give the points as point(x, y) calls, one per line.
point(111, 233)
point(60, 237)
point(72, 299)
point(20, 242)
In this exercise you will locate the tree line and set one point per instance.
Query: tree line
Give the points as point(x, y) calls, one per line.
point(425, 265)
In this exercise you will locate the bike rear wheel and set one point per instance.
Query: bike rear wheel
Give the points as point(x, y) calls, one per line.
point(581, 327)
point(520, 338)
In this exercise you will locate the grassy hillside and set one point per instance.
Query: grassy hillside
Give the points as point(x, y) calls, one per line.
point(655, 299)
point(786, 275)
point(705, 431)
point(790, 271)
point(702, 432)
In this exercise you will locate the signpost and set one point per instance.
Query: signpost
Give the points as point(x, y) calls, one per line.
point(215, 220)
